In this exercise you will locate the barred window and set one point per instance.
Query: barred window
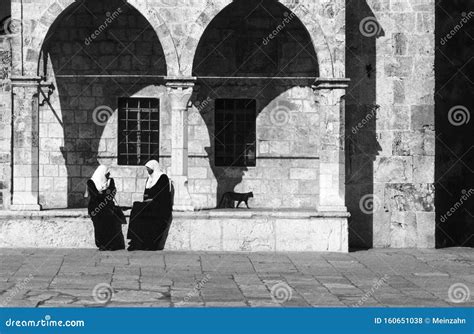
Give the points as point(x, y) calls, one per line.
point(138, 130)
point(234, 137)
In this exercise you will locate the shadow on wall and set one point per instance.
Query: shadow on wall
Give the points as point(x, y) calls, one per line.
point(361, 142)
point(127, 46)
point(237, 43)
point(454, 121)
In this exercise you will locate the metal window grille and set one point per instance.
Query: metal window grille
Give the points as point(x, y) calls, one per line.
point(138, 130)
point(235, 132)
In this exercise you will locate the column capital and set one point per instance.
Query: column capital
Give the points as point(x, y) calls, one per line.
point(331, 83)
point(180, 82)
point(24, 81)
point(180, 90)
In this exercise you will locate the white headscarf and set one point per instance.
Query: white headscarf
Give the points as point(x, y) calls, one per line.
point(99, 178)
point(155, 175)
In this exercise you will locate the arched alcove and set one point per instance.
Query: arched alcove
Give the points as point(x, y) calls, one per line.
point(262, 52)
point(94, 53)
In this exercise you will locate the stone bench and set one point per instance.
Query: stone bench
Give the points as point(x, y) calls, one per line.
point(207, 230)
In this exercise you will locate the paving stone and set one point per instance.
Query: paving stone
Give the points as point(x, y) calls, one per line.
point(137, 296)
point(370, 278)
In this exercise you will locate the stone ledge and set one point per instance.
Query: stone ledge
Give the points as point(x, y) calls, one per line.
point(216, 230)
point(215, 213)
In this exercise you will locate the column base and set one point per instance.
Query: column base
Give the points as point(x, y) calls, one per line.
point(25, 207)
point(182, 199)
point(183, 208)
point(332, 208)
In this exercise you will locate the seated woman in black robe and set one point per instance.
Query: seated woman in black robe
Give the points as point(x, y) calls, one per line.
point(102, 210)
point(150, 220)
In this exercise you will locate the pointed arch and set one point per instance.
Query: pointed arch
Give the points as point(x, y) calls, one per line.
point(320, 44)
point(35, 41)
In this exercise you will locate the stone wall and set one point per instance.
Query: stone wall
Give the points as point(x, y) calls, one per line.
point(263, 41)
point(390, 106)
point(5, 121)
point(389, 112)
point(77, 130)
point(72, 143)
point(287, 167)
point(233, 231)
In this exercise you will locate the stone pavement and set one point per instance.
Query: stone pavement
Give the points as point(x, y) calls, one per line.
point(80, 277)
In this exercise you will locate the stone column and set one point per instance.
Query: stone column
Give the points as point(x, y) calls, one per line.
point(25, 144)
point(330, 99)
point(179, 92)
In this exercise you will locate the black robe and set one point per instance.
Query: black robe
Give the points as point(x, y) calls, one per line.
point(150, 220)
point(107, 225)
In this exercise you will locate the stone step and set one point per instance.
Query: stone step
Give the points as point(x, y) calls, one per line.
point(207, 230)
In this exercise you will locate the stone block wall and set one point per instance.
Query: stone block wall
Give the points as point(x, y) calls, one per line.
point(391, 136)
point(5, 121)
point(389, 106)
point(79, 127)
point(286, 174)
point(72, 144)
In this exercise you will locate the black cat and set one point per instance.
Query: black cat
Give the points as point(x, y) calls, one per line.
point(229, 198)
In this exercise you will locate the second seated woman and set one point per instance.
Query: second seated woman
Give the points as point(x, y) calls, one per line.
point(150, 220)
